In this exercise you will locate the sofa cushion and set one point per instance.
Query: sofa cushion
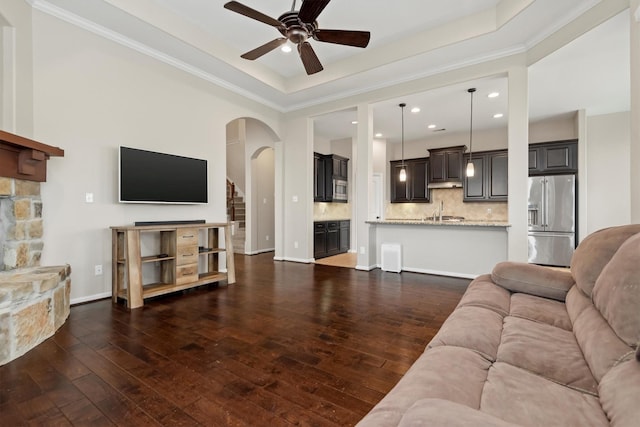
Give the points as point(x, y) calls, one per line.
point(540, 310)
point(601, 347)
point(616, 293)
point(482, 292)
point(595, 251)
point(619, 392)
point(439, 412)
point(451, 373)
point(524, 398)
point(557, 355)
point(475, 328)
point(532, 279)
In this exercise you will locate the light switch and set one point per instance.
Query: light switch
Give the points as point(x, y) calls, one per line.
point(88, 197)
point(294, 199)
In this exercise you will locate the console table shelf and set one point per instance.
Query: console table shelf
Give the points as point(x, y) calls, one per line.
point(183, 263)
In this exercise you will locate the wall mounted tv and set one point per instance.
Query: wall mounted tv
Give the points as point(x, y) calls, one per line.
point(150, 177)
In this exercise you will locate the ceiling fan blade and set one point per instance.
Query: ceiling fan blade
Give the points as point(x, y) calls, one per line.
point(349, 38)
point(309, 58)
point(310, 10)
point(265, 48)
point(252, 13)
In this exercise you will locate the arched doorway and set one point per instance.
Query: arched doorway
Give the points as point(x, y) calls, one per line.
point(251, 175)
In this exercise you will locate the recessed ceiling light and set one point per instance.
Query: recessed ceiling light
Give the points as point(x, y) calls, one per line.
point(493, 95)
point(355, 122)
point(415, 110)
point(498, 115)
point(431, 126)
point(378, 135)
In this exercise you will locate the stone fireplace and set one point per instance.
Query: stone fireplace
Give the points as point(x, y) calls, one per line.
point(34, 300)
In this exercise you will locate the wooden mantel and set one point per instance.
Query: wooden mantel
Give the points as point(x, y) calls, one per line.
point(25, 158)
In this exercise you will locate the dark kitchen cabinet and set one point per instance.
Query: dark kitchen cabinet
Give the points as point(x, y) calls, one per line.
point(319, 178)
point(331, 238)
point(345, 236)
point(319, 239)
point(414, 189)
point(326, 169)
point(446, 164)
point(553, 157)
point(340, 169)
point(490, 180)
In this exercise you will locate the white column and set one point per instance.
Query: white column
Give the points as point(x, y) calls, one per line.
point(279, 201)
point(635, 111)
point(365, 245)
point(518, 136)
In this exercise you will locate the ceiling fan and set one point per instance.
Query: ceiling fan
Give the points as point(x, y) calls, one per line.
point(298, 27)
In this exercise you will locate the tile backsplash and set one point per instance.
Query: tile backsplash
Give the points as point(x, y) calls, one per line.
point(328, 211)
point(453, 205)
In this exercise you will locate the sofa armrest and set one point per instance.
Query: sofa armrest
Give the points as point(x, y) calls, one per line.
point(533, 279)
point(440, 412)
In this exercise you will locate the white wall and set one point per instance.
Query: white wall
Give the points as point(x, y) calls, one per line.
point(17, 63)
point(553, 129)
point(235, 159)
point(260, 195)
point(92, 95)
point(608, 192)
point(263, 197)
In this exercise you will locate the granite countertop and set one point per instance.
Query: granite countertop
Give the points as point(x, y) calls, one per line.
point(430, 222)
point(330, 219)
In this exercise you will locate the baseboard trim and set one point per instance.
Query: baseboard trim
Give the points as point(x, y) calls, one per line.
point(300, 260)
point(439, 273)
point(261, 251)
point(366, 268)
point(90, 298)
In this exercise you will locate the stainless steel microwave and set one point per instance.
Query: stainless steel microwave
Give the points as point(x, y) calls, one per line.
point(339, 189)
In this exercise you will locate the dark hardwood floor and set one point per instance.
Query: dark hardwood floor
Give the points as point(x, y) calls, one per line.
point(288, 344)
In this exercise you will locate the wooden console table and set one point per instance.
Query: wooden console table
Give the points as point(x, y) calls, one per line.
point(187, 256)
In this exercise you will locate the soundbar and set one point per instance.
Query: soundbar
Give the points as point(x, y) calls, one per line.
point(176, 222)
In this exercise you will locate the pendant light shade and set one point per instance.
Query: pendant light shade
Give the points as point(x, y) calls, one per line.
point(403, 174)
point(403, 170)
point(471, 171)
point(470, 168)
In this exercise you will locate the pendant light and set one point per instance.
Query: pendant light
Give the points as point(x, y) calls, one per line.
point(403, 172)
point(470, 168)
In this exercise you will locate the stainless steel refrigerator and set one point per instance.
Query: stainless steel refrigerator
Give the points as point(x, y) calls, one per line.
point(552, 219)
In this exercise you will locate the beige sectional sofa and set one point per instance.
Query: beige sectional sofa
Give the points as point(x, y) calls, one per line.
point(532, 346)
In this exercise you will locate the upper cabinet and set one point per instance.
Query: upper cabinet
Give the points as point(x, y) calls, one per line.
point(330, 178)
point(490, 181)
point(319, 178)
point(553, 157)
point(446, 167)
point(414, 189)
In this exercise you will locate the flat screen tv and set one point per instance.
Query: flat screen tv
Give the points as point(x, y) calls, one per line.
point(151, 177)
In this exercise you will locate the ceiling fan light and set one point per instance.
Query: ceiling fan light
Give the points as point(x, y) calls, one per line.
point(471, 171)
point(286, 48)
point(403, 175)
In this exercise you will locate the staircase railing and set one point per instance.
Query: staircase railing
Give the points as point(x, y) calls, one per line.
point(231, 200)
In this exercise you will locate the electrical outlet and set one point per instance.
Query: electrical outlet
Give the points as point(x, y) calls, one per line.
point(294, 199)
point(489, 210)
point(88, 197)
point(98, 270)
point(295, 244)
point(267, 237)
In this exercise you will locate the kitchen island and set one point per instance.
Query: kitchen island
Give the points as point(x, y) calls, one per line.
point(457, 248)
